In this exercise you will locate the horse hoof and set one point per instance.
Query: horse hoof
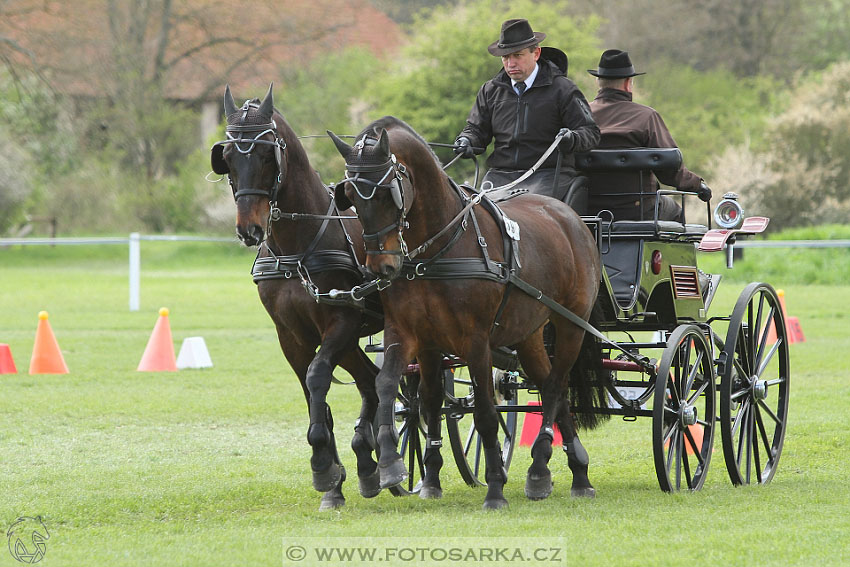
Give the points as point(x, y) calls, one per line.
point(331, 501)
point(370, 485)
point(430, 492)
point(392, 474)
point(495, 504)
point(589, 492)
point(327, 480)
point(538, 487)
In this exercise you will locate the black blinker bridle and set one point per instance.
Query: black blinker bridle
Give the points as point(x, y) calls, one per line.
point(393, 179)
point(235, 135)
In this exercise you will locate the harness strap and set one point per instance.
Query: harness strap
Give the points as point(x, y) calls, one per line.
point(573, 318)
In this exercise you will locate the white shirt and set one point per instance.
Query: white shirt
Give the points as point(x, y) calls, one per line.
point(529, 81)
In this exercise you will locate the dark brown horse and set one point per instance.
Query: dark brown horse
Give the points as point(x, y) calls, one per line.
point(457, 295)
point(305, 245)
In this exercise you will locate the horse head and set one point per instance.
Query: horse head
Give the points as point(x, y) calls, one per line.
point(254, 158)
point(379, 186)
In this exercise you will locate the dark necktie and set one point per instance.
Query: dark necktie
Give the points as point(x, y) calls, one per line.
point(520, 86)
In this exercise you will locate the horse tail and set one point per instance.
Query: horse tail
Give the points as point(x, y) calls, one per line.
point(587, 391)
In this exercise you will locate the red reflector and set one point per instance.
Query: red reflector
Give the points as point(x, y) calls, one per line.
point(656, 262)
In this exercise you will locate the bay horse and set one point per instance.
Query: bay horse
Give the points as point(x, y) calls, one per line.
point(457, 296)
point(309, 246)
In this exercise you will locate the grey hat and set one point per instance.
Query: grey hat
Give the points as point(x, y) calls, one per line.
point(515, 35)
point(614, 64)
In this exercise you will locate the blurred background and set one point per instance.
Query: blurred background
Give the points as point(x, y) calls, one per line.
point(108, 108)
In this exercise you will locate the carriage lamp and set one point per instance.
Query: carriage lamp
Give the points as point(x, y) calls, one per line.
point(728, 214)
point(655, 263)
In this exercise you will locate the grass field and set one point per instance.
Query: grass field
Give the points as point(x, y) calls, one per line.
point(211, 467)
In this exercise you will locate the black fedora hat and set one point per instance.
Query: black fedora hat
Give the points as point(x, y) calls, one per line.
point(515, 35)
point(614, 64)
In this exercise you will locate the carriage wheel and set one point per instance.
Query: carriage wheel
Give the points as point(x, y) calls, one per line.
point(683, 413)
point(467, 446)
point(754, 386)
point(411, 435)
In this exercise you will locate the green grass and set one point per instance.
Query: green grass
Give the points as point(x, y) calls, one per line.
point(211, 467)
point(784, 266)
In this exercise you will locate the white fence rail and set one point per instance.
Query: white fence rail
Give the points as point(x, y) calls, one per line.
point(133, 242)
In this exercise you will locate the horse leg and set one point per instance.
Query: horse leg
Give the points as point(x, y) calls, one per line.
point(363, 443)
point(535, 361)
point(396, 358)
point(487, 423)
point(577, 457)
point(431, 390)
point(324, 463)
point(300, 359)
point(538, 482)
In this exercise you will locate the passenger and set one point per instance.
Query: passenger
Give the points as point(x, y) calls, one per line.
point(522, 109)
point(627, 124)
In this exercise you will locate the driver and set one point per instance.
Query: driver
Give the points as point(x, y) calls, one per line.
point(522, 109)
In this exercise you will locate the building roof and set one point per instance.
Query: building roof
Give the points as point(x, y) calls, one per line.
point(86, 47)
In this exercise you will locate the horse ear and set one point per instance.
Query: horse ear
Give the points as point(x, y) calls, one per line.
point(384, 142)
point(229, 104)
point(341, 199)
point(267, 106)
point(343, 148)
point(217, 160)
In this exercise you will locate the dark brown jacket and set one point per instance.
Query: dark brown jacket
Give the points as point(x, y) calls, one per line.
point(523, 127)
point(627, 124)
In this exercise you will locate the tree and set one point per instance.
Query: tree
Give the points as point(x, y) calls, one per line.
point(707, 111)
point(809, 153)
point(747, 37)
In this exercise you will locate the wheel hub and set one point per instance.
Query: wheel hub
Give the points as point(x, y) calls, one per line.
point(759, 388)
point(687, 415)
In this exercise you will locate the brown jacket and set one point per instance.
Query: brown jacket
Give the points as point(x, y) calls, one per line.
point(627, 124)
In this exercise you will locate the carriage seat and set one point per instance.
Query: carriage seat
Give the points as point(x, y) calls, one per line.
point(631, 159)
point(665, 230)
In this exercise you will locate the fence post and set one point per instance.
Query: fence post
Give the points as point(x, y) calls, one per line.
point(135, 269)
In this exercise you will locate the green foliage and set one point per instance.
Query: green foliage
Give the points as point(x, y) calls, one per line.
point(433, 83)
point(707, 111)
point(325, 96)
point(808, 152)
point(39, 147)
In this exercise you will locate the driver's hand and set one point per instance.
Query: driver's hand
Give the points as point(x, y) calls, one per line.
point(463, 148)
point(704, 192)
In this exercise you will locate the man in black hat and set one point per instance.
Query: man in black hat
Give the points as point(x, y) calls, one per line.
point(627, 124)
point(523, 108)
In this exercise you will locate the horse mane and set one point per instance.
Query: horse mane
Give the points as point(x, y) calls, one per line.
point(391, 123)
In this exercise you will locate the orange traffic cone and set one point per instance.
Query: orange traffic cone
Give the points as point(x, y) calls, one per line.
point(792, 324)
point(159, 354)
point(531, 427)
point(46, 356)
point(697, 433)
point(7, 363)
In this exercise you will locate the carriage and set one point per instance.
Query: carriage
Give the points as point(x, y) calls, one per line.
point(692, 372)
point(661, 354)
